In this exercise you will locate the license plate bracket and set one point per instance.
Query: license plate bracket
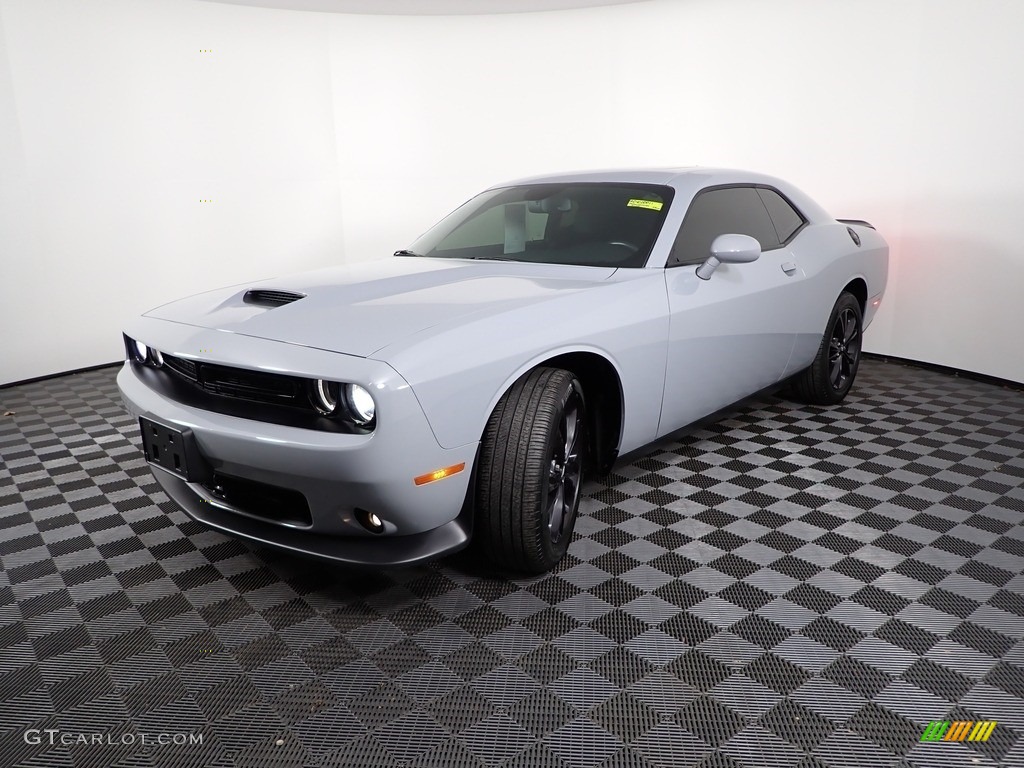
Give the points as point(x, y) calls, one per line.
point(174, 450)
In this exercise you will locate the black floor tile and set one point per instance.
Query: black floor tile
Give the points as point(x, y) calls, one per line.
point(872, 553)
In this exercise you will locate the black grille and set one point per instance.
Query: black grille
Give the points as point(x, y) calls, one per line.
point(223, 380)
point(184, 368)
point(249, 385)
point(270, 298)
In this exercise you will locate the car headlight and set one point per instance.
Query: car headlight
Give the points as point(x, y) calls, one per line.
point(141, 351)
point(360, 403)
point(325, 396)
point(358, 406)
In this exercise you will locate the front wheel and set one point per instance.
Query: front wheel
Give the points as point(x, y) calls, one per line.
point(830, 376)
point(533, 458)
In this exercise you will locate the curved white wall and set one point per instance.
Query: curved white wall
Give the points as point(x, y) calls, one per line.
point(117, 124)
point(326, 137)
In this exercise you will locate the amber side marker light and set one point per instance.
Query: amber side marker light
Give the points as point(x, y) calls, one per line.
point(439, 474)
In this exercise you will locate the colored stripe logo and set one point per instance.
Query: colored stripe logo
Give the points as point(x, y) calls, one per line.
point(959, 730)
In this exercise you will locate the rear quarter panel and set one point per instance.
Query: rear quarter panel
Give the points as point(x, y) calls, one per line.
point(830, 260)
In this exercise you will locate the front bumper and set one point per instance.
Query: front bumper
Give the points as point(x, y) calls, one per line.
point(368, 550)
point(336, 473)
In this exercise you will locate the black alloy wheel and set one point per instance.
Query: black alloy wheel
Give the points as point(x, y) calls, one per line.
point(844, 349)
point(828, 379)
point(533, 460)
point(566, 472)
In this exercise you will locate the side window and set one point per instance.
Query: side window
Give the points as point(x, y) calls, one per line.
point(785, 217)
point(714, 212)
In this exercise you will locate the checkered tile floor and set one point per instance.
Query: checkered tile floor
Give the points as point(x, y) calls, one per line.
point(789, 586)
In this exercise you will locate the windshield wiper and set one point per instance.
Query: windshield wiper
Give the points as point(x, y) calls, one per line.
point(407, 252)
point(489, 258)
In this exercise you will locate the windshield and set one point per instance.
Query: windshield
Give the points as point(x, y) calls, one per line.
point(596, 224)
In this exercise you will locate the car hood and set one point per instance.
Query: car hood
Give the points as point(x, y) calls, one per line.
point(361, 308)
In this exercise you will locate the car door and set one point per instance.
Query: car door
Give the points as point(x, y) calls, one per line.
point(730, 335)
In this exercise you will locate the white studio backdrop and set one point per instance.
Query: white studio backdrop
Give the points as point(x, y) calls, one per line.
point(324, 138)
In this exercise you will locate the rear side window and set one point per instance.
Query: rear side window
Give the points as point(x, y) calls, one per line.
point(721, 211)
point(785, 217)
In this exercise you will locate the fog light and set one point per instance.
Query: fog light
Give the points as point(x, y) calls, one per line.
point(370, 521)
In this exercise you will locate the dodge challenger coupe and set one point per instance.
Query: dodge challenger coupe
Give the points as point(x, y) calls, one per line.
point(388, 412)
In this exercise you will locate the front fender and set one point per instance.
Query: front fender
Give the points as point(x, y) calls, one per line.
point(541, 358)
point(460, 372)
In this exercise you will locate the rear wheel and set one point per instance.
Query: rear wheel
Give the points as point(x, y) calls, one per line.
point(533, 457)
point(830, 376)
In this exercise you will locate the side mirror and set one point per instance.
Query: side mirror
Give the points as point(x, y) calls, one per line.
point(729, 249)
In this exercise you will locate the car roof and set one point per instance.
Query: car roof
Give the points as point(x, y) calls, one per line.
point(686, 180)
point(666, 176)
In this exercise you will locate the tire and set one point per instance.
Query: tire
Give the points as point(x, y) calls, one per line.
point(829, 378)
point(528, 492)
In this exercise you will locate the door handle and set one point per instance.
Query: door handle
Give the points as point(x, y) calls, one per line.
point(789, 267)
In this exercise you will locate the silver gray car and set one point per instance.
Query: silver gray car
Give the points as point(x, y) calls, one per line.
point(392, 411)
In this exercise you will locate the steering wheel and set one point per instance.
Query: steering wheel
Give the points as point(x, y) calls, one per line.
point(624, 244)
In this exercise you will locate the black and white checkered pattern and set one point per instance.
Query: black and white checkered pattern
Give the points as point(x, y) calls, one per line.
point(789, 586)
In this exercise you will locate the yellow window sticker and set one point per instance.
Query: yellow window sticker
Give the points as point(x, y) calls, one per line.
point(654, 205)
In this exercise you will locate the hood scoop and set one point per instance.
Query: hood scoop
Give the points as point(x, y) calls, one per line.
point(268, 297)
